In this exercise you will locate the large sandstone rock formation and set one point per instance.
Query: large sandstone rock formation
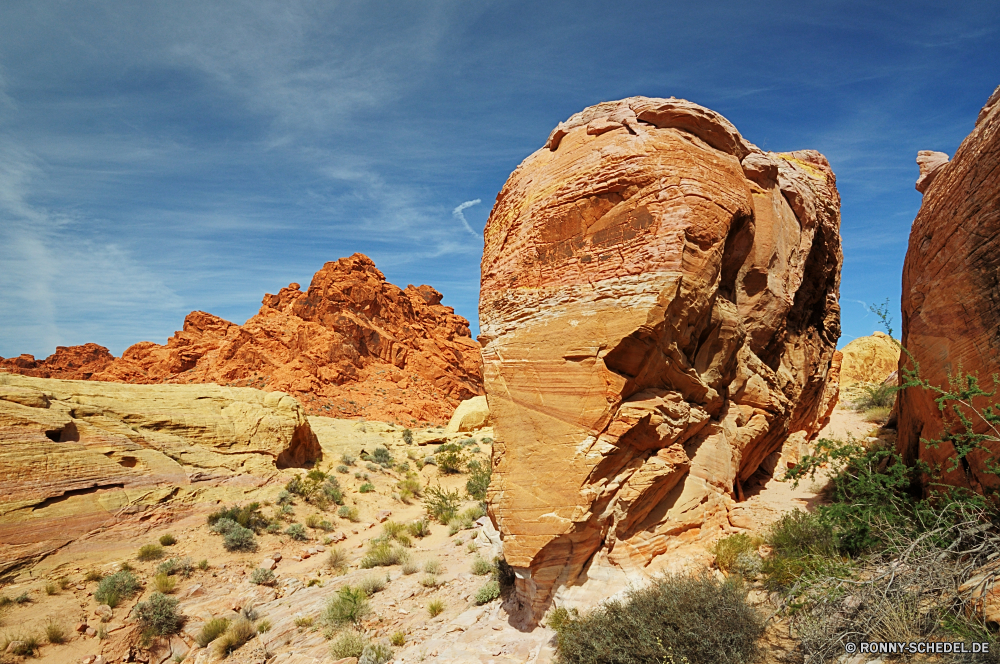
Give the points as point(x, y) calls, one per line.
point(659, 306)
point(869, 359)
point(351, 345)
point(951, 294)
point(76, 455)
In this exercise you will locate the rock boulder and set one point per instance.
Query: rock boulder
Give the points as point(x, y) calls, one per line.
point(869, 359)
point(951, 296)
point(659, 311)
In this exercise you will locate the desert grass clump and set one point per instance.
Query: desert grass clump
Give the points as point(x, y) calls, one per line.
point(419, 529)
point(247, 516)
point(348, 643)
point(372, 584)
point(349, 605)
point(481, 566)
point(383, 554)
point(433, 566)
point(676, 618)
point(410, 567)
point(336, 560)
point(297, 532)
point(367, 487)
point(479, 479)
point(738, 554)
point(488, 592)
point(63, 583)
point(23, 598)
point(263, 626)
point(211, 630)
point(93, 575)
point(24, 645)
point(51, 588)
point(303, 622)
point(435, 607)
point(182, 566)
point(203, 564)
point(55, 633)
point(349, 513)
point(262, 577)
point(234, 536)
point(238, 633)
point(376, 653)
point(398, 639)
point(113, 589)
point(158, 615)
point(150, 552)
point(168, 540)
point(430, 581)
point(164, 583)
point(348, 460)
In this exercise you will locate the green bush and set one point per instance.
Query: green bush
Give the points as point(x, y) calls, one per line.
point(449, 458)
point(150, 552)
point(435, 607)
point(297, 532)
point(728, 549)
point(372, 584)
point(479, 479)
point(441, 504)
point(676, 617)
point(481, 567)
point(419, 529)
point(158, 615)
point(875, 396)
point(347, 459)
point(348, 643)
point(55, 633)
point(120, 585)
point(262, 577)
point(239, 538)
point(349, 513)
point(383, 554)
point(488, 592)
point(211, 630)
point(168, 540)
point(343, 469)
point(382, 457)
point(349, 605)
point(367, 487)
point(407, 436)
point(182, 566)
point(284, 498)
point(503, 574)
point(247, 516)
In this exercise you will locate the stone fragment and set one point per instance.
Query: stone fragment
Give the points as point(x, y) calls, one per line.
point(104, 612)
point(81, 627)
point(659, 315)
point(383, 515)
point(930, 164)
point(949, 303)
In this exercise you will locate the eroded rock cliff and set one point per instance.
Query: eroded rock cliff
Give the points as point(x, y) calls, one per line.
point(352, 344)
point(951, 295)
point(659, 306)
point(76, 455)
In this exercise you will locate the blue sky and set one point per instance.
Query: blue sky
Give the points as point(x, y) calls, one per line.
point(157, 158)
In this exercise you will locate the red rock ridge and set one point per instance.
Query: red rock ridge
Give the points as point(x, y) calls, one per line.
point(951, 294)
point(352, 345)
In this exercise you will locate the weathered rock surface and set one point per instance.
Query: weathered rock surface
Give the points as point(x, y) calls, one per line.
point(659, 311)
point(351, 345)
point(869, 359)
point(471, 414)
point(951, 294)
point(77, 454)
point(929, 163)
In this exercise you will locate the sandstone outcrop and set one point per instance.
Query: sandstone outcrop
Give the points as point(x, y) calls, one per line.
point(351, 345)
point(471, 414)
point(659, 311)
point(869, 359)
point(951, 296)
point(77, 454)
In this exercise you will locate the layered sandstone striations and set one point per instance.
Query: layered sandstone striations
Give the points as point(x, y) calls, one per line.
point(351, 345)
point(951, 296)
point(76, 455)
point(659, 306)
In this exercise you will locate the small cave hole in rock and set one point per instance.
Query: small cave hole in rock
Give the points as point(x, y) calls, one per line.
point(66, 434)
point(127, 461)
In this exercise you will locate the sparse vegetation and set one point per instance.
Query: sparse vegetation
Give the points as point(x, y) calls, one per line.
point(372, 584)
point(481, 567)
point(55, 633)
point(349, 513)
point(433, 566)
point(430, 581)
point(435, 607)
point(676, 618)
point(164, 583)
point(407, 436)
point(441, 504)
point(150, 552)
point(247, 516)
point(22, 645)
point(262, 577)
point(488, 592)
point(158, 615)
point(297, 532)
point(383, 553)
point(450, 458)
point(168, 540)
point(419, 529)
point(236, 635)
point(398, 639)
point(181, 566)
point(410, 567)
point(367, 487)
point(263, 626)
point(211, 630)
point(317, 488)
point(347, 459)
point(349, 605)
point(348, 643)
point(303, 622)
point(382, 457)
point(479, 479)
point(203, 564)
point(738, 553)
point(336, 560)
point(51, 588)
point(375, 653)
point(93, 575)
point(120, 585)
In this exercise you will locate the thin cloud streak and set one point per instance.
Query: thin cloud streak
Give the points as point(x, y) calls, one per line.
point(458, 213)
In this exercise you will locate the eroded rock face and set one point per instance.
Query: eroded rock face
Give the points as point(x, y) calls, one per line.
point(351, 345)
point(869, 359)
point(659, 306)
point(68, 362)
point(951, 294)
point(75, 454)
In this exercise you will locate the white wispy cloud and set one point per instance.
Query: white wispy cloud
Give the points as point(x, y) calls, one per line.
point(459, 213)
